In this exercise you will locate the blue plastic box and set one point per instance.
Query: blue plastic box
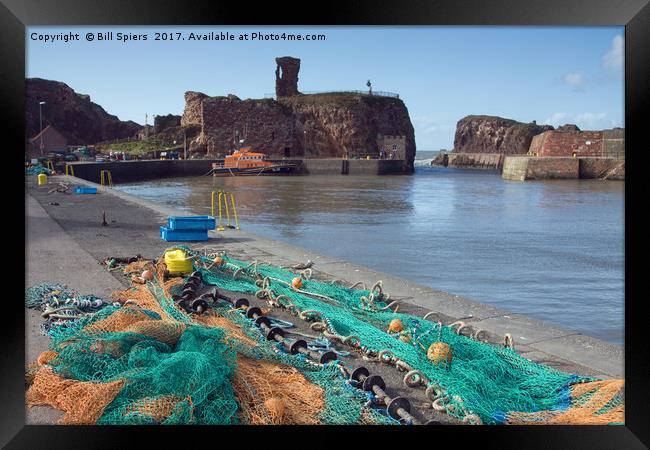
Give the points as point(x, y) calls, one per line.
point(168, 235)
point(191, 223)
point(85, 190)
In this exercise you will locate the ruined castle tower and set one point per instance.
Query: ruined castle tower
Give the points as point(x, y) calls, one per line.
point(286, 76)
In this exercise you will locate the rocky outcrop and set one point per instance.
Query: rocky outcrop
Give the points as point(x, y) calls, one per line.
point(491, 134)
point(192, 112)
point(568, 127)
point(74, 115)
point(313, 126)
point(339, 124)
point(161, 123)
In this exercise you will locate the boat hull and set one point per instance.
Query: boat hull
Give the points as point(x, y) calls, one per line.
point(252, 171)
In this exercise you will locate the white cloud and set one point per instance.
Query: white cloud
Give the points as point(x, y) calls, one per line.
point(557, 118)
point(613, 59)
point(575, 79)
point(585, 121)
point(428, 125)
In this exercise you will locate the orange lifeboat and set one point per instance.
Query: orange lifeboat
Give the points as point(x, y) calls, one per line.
point(246, 162)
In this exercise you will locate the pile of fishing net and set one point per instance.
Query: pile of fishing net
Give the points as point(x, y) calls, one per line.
point(60, 305)
point(37, 170)
point(148, 361)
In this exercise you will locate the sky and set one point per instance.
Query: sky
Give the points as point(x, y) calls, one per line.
point(554, 75)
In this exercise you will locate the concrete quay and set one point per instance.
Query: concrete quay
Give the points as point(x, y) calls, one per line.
point(66, 243)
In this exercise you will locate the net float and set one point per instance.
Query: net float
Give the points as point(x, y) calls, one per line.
point(440, 352)
point(147, 275)
point(395, 326)
point(296, 283)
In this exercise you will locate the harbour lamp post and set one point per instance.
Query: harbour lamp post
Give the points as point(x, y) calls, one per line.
point(305, 132)
point(40, 119)
point(184, 144)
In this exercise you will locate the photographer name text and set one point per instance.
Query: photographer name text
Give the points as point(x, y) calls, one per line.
point(108, 36)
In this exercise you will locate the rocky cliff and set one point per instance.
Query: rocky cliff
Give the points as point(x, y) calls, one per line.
point(317, 125)
point(73, 115)
point(491, 134)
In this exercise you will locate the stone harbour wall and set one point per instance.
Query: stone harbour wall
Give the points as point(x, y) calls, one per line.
point(567, 143)
point(521, 168)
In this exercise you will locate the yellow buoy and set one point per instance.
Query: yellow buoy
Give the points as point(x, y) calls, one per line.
point(439, 352)
point(218, 260)
point(177, 261)
point(42, 179)
point(395, 326)
point(296, 283)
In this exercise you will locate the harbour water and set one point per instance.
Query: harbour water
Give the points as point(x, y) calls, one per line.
point(552, 250)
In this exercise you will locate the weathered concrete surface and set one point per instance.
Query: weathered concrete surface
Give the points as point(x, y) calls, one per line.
point(53, 256)
point(521, 168)
point(136, 230)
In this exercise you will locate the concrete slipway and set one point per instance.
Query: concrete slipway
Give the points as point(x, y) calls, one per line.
point(66, 243)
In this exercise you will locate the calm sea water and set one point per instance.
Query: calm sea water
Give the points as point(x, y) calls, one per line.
point(552, 250)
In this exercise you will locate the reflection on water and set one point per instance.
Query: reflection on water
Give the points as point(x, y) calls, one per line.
point(552, 250)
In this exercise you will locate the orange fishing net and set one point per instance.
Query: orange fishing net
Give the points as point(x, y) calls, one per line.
point(276, 394)
point(82, 402)
point(138, 267)
point(210, 319)
point(118, 321)
point(593, 403)
point(267, 392)
point(156, 408)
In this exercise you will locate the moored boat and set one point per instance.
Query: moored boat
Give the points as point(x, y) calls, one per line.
point(246, 162)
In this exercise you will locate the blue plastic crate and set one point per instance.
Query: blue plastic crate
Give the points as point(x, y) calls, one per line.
point(85, 190)
point(169, 235)
point(191, 223)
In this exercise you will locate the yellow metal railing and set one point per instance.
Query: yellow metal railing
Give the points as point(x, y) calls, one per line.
point(222, 199)
point(105, 177)
point(71, 170)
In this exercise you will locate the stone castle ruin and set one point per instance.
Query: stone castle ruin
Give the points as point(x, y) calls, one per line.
point(286, 76)
point(296, 125)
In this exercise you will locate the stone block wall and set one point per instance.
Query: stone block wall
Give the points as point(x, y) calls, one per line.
point(597, 168)
point(476, 160)
point(567, 143)
point(395, 144)
point(264, 123)
point(614, 143)
point(522, 168)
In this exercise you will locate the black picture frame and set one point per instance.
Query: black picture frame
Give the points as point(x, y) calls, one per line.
point(15, 15)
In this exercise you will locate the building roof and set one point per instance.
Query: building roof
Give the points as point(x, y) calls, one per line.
point(45, 130)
